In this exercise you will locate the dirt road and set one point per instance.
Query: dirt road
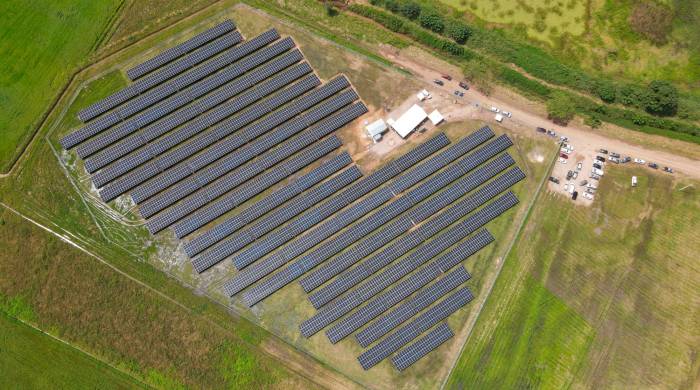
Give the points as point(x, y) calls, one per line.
point(476, 105)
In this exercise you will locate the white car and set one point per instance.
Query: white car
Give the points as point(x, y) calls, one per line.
point(562, 160)
point(565, 151)
point(579, 166)
point(566, 187)
point(508, 114)
point(597, 171)
point(569, 146)
point(587, 196)
point(639, 161)
point(495, 109)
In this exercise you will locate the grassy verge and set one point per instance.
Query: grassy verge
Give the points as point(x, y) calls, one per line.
point(596, 297)
point(41, 45)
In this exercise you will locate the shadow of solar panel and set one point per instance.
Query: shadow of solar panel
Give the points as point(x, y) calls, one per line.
point(423, 346)
point(180, 50)
point(138, 103)
point(197, 90)
point(421, 300)
point(379, 282)
point(357, 190)
point(392, 297)
point(426, 210)
point(414, 328)
point(231, 143)
point(226, 165)
point(192, 129)
point(266, 205)
point(238, 240)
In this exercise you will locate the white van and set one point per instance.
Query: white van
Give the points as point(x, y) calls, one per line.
point(597, 171)
point(634, 181)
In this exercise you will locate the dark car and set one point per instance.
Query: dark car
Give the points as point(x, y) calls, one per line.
point(600, 158)
point(464, 85)
point(569, 175)
point(563, 155)
point(616, 155)
point(668, 169)
point(626, 160)
point(551, 133)
point(438, 82)
point(653, 165)
point(597, 166)
point(603, 151)
point(447, 77)
point(541, 130)
point(554, 179)
point(574, 195)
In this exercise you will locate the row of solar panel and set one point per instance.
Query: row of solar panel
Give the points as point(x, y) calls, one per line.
point(426, 344)
point(353, 298)
point(182, 98)
point(231, 142)
point(228, 153)
point(225, 60)
point(177, 109)
point(232, 178)
point(380, 217)
point(413, 329)
point(180, 50)
point(149, 90)
point(317, 215)
point(405, 310)
point(156, 154)
point(247, 216)
point(260, 269)
point(355, 275)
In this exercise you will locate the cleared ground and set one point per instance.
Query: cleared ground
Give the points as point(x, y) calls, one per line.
point(601, 296)
point(41, 45)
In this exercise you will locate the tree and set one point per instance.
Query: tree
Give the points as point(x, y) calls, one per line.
point(430, 19)
point(410, 10)
point(458, 31)
point(560, 108)
point(606, 91)
point(662, 98)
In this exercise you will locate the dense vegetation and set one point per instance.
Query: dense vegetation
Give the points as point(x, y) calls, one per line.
point(659, 97)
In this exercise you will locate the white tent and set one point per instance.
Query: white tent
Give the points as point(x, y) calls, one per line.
point(435, 117)
point(375, 128)
point(409, 120)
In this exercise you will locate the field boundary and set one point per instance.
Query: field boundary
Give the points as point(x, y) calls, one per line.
point(515, 238)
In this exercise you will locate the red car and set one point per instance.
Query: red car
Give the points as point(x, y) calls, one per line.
point(447, 77)
point(563, 155)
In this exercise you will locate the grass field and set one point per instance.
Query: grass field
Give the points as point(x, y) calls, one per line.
point(600, 297)
point(26, 352)
point(41, 45)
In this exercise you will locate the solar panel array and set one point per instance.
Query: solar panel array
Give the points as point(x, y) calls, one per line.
point(231, 143)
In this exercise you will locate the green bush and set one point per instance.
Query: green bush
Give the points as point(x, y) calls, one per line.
point(410, 10)
point(431, 19)
point(662, 98)
point(561, 108)
point(458, 31)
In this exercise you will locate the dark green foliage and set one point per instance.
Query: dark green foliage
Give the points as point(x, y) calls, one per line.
point(524, 84)
point(605, 91)
point(410, 10)
point(431, 19)
point(560, 108)
point(458, 31)
point(662, 98)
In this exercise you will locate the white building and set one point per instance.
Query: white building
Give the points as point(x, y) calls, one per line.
point(409, 121)
point(376, 129)
point(436, 117)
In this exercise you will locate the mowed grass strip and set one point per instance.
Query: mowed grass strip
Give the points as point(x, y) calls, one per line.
point(31, 359)
point(73, 296)
point(41, 45)
point(601, 296)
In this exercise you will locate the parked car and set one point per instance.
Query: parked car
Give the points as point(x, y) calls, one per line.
point(597, 166)
point(569, 146)
point(508, 114)
point(614, 159)
point(551, 133)
point(495, 109)
point(597, 171)
point(540, 129)
point(626, 160)
point(562, 160)
point(594, 176)
point(554, 179)
point(668, 169)
point(464, 85)
point(438, 82)
point(563, 155)
point(653, 165)
point(639, 161)
point(616, 155)
point(579, 166)
point(569, 175)
point(583, 182)
point(592, 186)
point(447, 77)
point(563, 138)
point(600, 158)
point(565, 151)
point(574, 195)
point(575, 175)
point(590, 191)
point(587, 196)
point(603, 151)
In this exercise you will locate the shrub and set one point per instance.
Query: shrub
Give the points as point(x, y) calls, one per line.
point(458, 31)
point(430, 19)
point(410, 10)
point(662, 98)
point(606, 91)
point(560, 108)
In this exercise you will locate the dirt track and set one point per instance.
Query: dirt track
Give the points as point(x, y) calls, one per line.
point(475, 105)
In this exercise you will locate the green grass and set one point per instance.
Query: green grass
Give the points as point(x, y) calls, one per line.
point(596, 297)
point(31, 359)
point(41, 45)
